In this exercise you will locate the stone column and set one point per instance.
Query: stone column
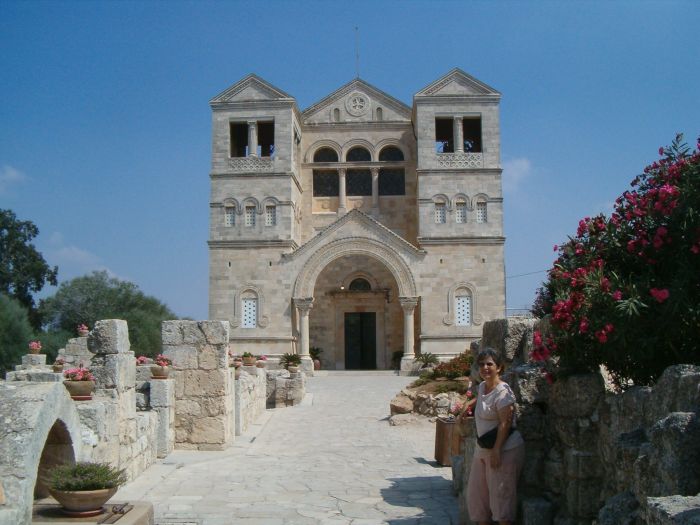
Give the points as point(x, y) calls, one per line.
point(458, 133)
point(342, 205)
point(375, 191)
point(252, 138)
point(408, 304)
point(304, 306)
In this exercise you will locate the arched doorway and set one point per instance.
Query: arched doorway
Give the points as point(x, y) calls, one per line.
point(318, 287)
point(357, 319)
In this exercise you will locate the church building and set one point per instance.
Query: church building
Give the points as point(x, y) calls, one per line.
point(360, 225)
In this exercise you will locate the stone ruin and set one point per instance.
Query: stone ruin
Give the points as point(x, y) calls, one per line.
point(132, 419)
point(594, 456)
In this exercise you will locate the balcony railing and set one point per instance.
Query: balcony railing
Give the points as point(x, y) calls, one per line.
point(460, 160)
point(251, 164)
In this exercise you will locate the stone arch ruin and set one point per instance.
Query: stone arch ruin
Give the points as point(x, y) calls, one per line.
point(41, 428)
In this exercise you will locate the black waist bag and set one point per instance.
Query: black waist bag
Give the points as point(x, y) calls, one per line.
point(488, 439)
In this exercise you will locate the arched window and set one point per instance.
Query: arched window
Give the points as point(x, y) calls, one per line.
point(336, 115)
point(358, 154)
point(360, 285)
point(249, 309)
point(440, 213)
point(325, 155)
point(391, 154)
point(250, 215)
point(460, 212)
point(270, 215)
point(380, 115)
point(229, 216)
point(481, 215)
point(463, 307)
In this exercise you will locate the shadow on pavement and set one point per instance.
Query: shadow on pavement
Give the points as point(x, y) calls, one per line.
point(427, 499)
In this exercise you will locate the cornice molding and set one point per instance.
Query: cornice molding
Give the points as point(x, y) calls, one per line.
point(472, 240)
point(253, 243)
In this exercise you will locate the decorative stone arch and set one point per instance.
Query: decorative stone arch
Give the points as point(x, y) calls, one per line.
point(44, 431)
point(306, 280)
point(272, 201)
point(395, 143)
point(230, 202)
point(245, 291)
point(442, 198)
point(449, 318)
point(251, 201)
point(323, 143)
point(479, 197)
point(358, 142)
point(461, 197)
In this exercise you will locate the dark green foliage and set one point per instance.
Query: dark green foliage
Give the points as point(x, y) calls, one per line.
point(396, 358)
point(315, 352)
point(427, 359)
point(624, 292)
point(456, 367)
point(15, 333)
point(86, 476)
point(288, 360)
point(90, 298)
point(23, 269)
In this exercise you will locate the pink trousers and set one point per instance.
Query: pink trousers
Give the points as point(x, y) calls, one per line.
point(491, 493)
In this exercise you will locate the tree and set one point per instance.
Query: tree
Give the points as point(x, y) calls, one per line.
point(98, 296)
point(624, 291)
point(15, 332)
point(23, 269)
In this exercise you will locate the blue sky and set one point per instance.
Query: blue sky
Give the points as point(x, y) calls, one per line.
point(105, 124)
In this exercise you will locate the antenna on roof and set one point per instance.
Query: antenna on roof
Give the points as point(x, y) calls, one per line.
point(357, 53)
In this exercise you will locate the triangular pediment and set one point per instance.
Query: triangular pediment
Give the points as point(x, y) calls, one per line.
point(357, 101)
point(457, 83)
point(251, 88)
point(356, 224)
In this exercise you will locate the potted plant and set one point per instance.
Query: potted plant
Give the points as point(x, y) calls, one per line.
point(142, 360)
point(82, 488)
point(83, 330)
point(315, 353)
point(58, 365)
point(291, 362)
point(249, 359)
point(260, 361)
point(79, 382)
point(159, 369)
point(427, 359)
point(34, 347)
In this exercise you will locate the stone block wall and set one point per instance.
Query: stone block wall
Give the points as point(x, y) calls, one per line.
point(596, 456)
point(250, 394)
point(203, 383)
point(285, 389)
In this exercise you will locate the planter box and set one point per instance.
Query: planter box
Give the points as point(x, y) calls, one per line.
point(448, 441)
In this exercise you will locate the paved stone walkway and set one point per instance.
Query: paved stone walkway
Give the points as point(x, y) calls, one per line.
point(332, 460)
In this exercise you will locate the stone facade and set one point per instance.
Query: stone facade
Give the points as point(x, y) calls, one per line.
point(251, 397)
point(358, 188)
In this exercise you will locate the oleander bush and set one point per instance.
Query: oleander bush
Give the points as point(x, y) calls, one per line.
point(624, 292)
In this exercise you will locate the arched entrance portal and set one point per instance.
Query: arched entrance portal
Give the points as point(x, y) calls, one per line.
point(357, 319)
point(318, 286)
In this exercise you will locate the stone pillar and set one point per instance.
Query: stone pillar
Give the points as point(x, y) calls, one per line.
point(458, 133)
point(304, 306)
point(252, 138)
point(375, 191)
point(408, 304)
point(342, 205)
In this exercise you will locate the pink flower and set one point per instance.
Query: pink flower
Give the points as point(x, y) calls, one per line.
point(602, 336)
point(617, 295)
point(583, 326)
point(661, 151)
point(660, 294)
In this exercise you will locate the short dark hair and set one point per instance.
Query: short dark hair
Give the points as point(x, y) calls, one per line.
point(487, 352)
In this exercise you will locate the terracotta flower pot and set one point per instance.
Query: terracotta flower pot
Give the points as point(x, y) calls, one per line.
point(160, 372)
point(317, 364)
point(80, 390)
point(57, 368)
point(237, 373)
point(260, 364)
point(249, 361)
point(293, 369)
point(83, 503)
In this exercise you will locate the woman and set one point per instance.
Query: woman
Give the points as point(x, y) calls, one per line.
point(493, 478)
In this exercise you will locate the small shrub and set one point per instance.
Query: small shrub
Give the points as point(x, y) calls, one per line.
point(86, 475)
point(427, 359)
point(456, 367)
point(315, 352)
point(288, 360)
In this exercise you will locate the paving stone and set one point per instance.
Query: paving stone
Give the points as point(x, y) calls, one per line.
point(335, 460)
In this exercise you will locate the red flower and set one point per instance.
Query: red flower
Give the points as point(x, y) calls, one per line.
point(617, 295)
point(660, 294)
point(602, 336)
point(583, 326)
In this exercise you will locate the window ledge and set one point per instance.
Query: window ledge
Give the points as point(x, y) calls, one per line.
point(460, 160)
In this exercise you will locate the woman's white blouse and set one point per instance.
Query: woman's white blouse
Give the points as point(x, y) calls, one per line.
point(486, 412)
